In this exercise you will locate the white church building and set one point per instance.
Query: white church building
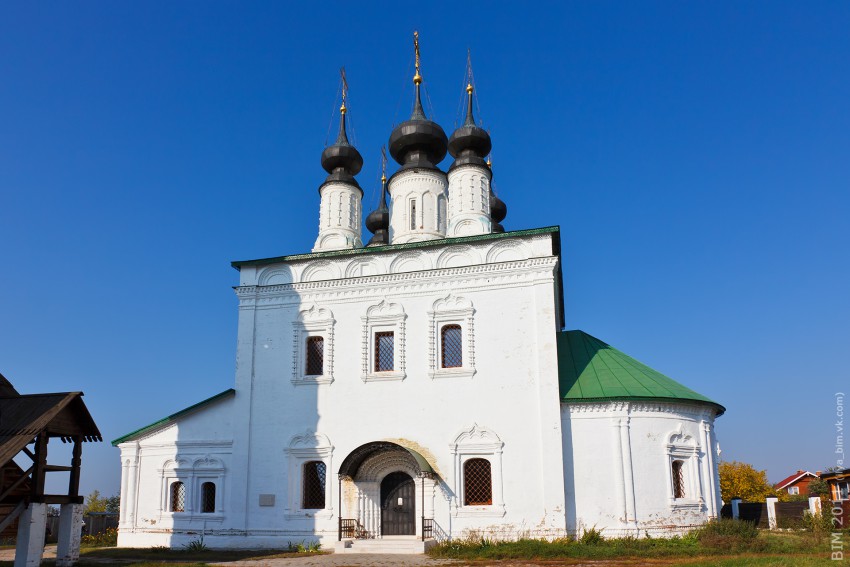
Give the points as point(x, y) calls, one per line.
point(419, 387)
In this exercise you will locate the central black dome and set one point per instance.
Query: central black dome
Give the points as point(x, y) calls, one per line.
point(418, 142)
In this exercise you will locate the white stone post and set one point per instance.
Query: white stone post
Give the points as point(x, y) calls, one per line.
point(70, 532)
point(32, 524)
point(814, 505)
point(736, 513)
point(771, 512)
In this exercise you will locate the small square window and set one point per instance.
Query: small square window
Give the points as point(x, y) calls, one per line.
point(385, 351)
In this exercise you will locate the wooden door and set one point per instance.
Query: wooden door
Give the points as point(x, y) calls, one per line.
point(398, 505)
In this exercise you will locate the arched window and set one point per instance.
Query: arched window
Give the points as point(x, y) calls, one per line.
point(678, 479)
point(178, 497)
point(451, 346)
point(313, 485)
point(315, 356)
point(208, 498)
point(477, 483)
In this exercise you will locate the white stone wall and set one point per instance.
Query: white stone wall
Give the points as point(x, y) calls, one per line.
point(339, 217)
point(196, 449)
point(469, 201)
point(501, 405)
point(618, 458)
point(418, 205)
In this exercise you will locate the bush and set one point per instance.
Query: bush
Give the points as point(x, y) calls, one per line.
point(591, 537)
point(107, 538)
point(729, 535)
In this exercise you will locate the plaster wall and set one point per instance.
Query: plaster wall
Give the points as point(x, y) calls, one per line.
point(501, 405)
point(618, 461)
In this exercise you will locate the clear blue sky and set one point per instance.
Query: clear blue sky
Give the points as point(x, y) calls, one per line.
point(695, 155)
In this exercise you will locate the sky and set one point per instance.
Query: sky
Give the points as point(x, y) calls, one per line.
point(696, 156)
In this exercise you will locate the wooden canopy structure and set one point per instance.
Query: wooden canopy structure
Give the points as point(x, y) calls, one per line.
point(27, 423)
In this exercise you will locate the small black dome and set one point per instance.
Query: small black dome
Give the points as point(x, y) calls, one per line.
point(342, 160)
point(469, 143)
point(418, 142)
point(498, 210)
point(378, 221)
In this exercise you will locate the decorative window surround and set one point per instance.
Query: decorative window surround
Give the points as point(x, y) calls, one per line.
point(313, 322)
point(478, 443)
point(383, 317)
point(446, 311)
point(193, 474)
point(682, 447)
point(308, 446)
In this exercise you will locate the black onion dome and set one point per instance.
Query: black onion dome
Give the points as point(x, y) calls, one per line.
point(378, 221)
point(418, 142)
point(469, 143)
point(498, 212)
point(342, 160)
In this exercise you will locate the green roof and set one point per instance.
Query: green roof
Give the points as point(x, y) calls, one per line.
point(393, 247)
point(174, 416)
point(591, 371)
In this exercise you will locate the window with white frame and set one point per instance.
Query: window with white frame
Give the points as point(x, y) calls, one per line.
point(208, 497)
point(309, 492)
point(177, 497)
point(192, 485)
point(312, 346)
point(794, 490)
point(684, 488)
point(313, 484)
point(451, 337)
point(383, 355)
point(477, 455)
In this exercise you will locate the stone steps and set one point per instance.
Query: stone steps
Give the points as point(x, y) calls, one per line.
point(398, 544)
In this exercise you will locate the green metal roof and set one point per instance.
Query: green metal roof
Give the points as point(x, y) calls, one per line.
point(591, 370)
point(393, 247)
point(174, 416)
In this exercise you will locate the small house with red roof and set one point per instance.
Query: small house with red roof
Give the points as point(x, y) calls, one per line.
point(797, 483)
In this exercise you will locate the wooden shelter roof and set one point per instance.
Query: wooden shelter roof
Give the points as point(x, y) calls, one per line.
point(22, 417)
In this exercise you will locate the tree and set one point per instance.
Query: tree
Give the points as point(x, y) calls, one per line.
point(741, 480)
point(113, 504)
point(97, 503)
point(819, 487)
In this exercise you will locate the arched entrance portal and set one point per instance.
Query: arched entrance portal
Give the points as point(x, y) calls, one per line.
point(389, 491)
point(398, 504)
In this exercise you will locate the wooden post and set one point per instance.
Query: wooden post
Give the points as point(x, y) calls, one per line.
point(38, 472)
point(76, 462)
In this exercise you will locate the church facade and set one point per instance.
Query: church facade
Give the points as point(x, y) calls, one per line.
point(419, 387)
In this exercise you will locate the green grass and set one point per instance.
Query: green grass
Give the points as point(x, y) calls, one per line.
point(714, 540)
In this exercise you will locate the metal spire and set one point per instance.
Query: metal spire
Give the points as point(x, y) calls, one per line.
point(342, 138)
point(418, 112)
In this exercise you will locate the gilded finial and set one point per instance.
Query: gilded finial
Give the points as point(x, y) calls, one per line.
point(489, 162)
point(383, 164)
point(417, 78)
point(469, 88)
point(342, 108)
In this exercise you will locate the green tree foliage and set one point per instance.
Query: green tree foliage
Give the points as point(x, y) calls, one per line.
point(819, 487)
point(741, 480)
point(113, 503)
point(97, 503)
